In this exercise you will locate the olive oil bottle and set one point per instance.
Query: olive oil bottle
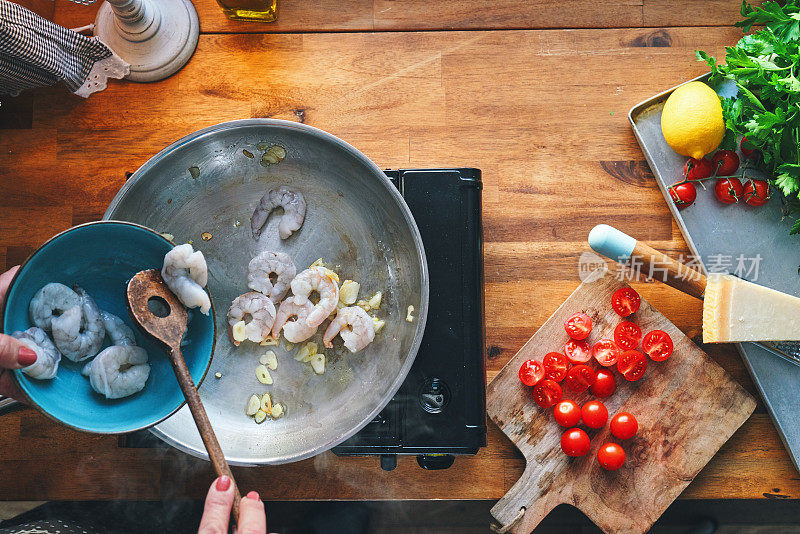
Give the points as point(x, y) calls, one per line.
point(257, 10)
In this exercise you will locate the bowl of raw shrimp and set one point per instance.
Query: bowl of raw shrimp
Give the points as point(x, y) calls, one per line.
point(96, 371)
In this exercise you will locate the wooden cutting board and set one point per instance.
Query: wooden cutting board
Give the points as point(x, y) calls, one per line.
point(687, 407)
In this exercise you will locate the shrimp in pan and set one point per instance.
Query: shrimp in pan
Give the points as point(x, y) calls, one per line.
point(266, 266)
point(294, 211)
point(186, 274)
point(291, 319)
point(258, 313)
point(317, 279)
point(355, 327)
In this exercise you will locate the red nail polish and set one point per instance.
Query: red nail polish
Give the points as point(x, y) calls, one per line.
point(26, 356)
point(253, 495)
point(223, 483)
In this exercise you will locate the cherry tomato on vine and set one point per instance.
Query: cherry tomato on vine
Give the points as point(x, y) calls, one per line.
point(626, 301)
point(546, 393)
point(575, 442)
point(611, 456)
point(683, 194)
point(594, 414)
point(728, 190)
point(725, 162)
point(749, 151)
point(579, 378)
point(531, 372)
point(631, 365)
point(578, 351)
point(578, 326)
point(756, 192)
point(627, 335)
point(624, 425)
point(604, 384)
point(556, 366)
point(697, 169)
point(658, 345)
point(605, 352)
point(567, 413)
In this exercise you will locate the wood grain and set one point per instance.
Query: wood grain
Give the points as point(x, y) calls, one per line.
point(676, 403)
point(532, 109)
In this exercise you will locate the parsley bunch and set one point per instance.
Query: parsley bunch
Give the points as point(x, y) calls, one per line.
point(765, 66)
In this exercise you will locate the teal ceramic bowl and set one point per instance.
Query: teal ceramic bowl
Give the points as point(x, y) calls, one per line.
point(101, 257)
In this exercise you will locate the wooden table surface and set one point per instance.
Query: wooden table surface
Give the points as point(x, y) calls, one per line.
point(533, 93)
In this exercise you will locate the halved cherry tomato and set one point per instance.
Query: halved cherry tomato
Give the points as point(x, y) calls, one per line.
point(531, 372)
point(579, 326)
point(611, 456)
point(578, 351)
point(579, 377)
point(725, 162)
point(624, 425)
point(547, 393)
point(627, 335)
point(658, 345)
point(605, 352)
point(594, 414)
point(748, 149)
point(632, 365)
point(683, 194)
point(604, 383)
point(556, 366)
point(575, 442)
point(728, 190)
point(697, 169)
point(756, 192)
point(567, 413)
point(625, 301)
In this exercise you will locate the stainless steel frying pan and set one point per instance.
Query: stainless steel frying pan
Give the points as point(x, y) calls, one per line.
point(356, 220)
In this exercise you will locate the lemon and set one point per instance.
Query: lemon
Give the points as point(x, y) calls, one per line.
point(692, 120)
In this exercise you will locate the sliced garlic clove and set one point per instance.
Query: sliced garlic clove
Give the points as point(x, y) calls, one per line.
point(317, 263)
point(363, 304)
point(318, 363)
point(410, 317)
point(375, 301)
point(239, 332)
point(348, 293)
point(272, 360)
point(306, 351)
point(262, 373)
point(266, 403)
point(269, 340)
point(260, 416)
point(378, 324)
point(253, 405)
point(277, 410)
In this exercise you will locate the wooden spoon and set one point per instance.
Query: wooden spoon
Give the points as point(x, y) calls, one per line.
point(168, 329)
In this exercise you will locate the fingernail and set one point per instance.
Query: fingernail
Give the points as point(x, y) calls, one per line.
point(223, 483)
point(253, 495)
point(26, 356)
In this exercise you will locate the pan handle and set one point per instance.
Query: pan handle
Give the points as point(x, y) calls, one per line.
point(8, 405)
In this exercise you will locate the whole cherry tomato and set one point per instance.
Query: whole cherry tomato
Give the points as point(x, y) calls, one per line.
point(627, 335)
point(556, 366)
point(728, 190)
point(611, 456)
point(624, 425)
point(575, 442)
point(697, 169)
point(626, 300)
point(756, 192)
point(604, 384)
point(579, 378)
point(683, 194)
point(725, 162)
point(632, 364)
point(605, 352)
point(567, 413)
point(658, 345)
point(530, 372)
point(578, 326)
point(546, 393)
point(594, 414)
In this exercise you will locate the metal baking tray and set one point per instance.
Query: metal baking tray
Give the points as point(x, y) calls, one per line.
point(752, 243)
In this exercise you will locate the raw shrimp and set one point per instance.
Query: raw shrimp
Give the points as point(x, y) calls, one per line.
point(258, 313)
point(186, 274)
point(291, 318)
point(118, 371)
point(316, 279)
point(78, 332)
point(355, 327)
point(51, 301)
point(47, 355)
point(118, 332)
point(268, 264)
point(294, 211)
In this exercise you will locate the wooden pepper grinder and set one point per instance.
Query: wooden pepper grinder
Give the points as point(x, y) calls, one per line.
point(157, 37)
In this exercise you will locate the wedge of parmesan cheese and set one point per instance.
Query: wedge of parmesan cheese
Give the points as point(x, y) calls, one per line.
point(736, 310)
